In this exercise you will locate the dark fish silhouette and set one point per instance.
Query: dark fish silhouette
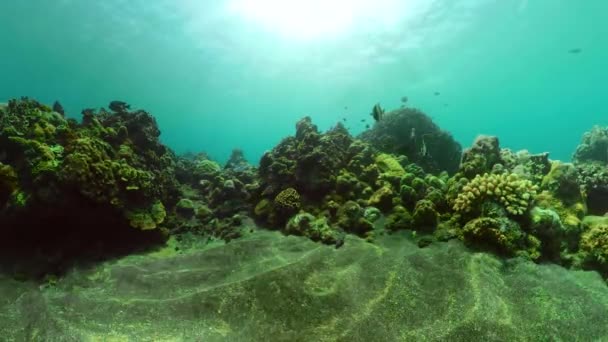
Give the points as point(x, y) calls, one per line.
point(377, 112)
point(404, 99)
point(367, 126)
point(119, 106)
point(344, 119)
point(362, 120)
point(575, 51)
point(437, 93)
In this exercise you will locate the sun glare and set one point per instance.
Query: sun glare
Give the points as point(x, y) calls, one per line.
point(302, 19)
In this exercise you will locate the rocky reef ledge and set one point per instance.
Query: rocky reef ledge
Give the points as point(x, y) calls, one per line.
point(76, 193)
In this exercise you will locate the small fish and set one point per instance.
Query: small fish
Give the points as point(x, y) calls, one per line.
point(344, 119)
point(362, 120)
point(423, 150)
point(367, 126)
point(377, 112)
point(404, 99)
point(575, 50)
point(437, 93)
point(119, 106)
point(345, 107)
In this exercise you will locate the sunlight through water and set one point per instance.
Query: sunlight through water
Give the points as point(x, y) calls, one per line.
point(313, 19)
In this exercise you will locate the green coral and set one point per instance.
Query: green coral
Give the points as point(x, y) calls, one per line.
point(317, 229)
point(351, 218)
point(594, 242)
point(148, 218)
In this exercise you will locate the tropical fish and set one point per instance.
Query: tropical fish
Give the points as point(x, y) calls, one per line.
point(377, 112)
point(119, 106)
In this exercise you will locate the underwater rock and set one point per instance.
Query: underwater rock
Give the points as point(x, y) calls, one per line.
point(399, 219)
point(310, 161)
point(594, 243)
point(372, 214)
point(425, 217)
point(562, 181)
point(186, 208)
point(502, 236)
point(412, 133)
point(529, 166)
point(317, 229)
point(593, 146)
point(119, 106)
point(382, 198)
point(57, 107)
point(481, 157)
point(237, 161)
point(351, 218)
point(593, 179)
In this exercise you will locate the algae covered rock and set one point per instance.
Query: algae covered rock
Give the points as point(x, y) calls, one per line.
point(399, 219)
point(412, 133)
point(501, 235)
point(317, 229)
point(481, 157)
point(593, 179)
point(351, 218)
point(593, 146)
point(425, 216)
point(594, 242)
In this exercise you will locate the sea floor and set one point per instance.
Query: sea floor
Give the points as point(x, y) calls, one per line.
point(269, 287)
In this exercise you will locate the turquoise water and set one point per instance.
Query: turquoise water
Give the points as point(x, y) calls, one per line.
point(225, 74)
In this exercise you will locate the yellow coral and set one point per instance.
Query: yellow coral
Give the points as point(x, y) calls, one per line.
point(288, 200)
point(513, 192)
point(389, 164)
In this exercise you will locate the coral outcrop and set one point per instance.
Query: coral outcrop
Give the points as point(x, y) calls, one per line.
point(112, 175)
point(412, 133)
point(508, 190)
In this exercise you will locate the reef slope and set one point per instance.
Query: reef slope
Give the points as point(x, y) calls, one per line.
point(268, 286)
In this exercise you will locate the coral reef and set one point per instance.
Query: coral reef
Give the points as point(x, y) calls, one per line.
point(111, 174)
point(412, 133)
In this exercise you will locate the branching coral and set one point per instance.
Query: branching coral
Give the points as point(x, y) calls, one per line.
point(511, 191)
